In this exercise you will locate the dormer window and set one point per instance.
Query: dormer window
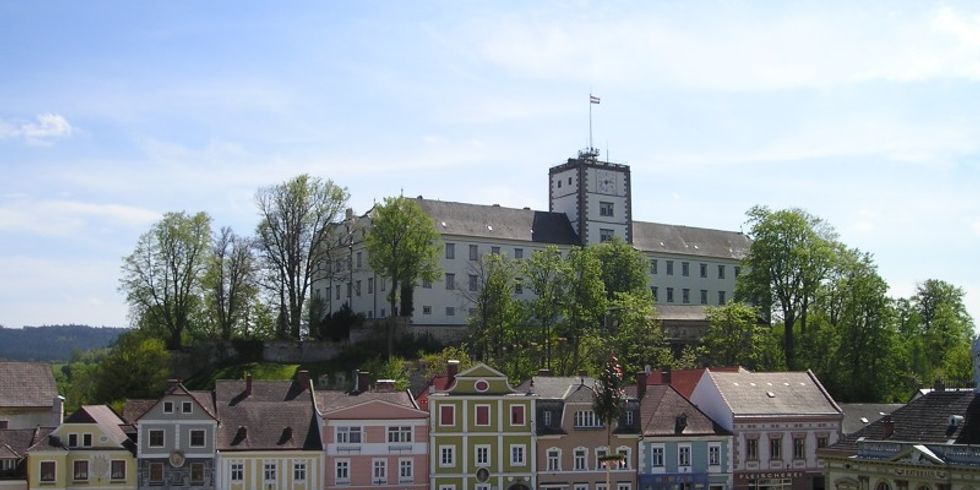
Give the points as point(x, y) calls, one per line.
point(168, 407)
point(186, 407)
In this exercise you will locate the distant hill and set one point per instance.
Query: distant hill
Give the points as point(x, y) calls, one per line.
point(53, 342)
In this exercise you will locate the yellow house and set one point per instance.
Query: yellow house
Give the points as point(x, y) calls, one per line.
point(88, 451)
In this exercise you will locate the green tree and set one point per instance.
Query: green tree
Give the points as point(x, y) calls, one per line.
point(162, 278)
point(546, 274)
point(403, 245)
point(585, 308)
point(496, 313)
point(791, 254)
point(137, 366)
point(945, 331)
point(298, 233)
point(229, 284)
point(624, 268)
point(635, 333)
point(735, 337)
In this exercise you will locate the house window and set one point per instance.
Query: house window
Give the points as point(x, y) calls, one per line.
point(684, 456)
point(600, 453)
point(624, 462)
point(518, 253)
point(47, 471)
point(495, 250)
point(581, 455)
point(426, 284)
point(653, 266)
point(686, 295)
point(474, 252)
point(472, 282)
point(799, 448)
point(117, 469)
point(379, 471)
point(628, 419)
point(450, 250)
point(156, 472)
point(685, 269)
point(721, 297)
point(349, 435)
point(237, 471)
point(482, 455)
point(197, 438)
point(80, 471)
point(186, 407)
point(86, 440)
point(156, 438)
point(605, 234)
point(168, 407)
point(752, 449)
point(197, 473)
point(72, 440)
point(721, 271)
point(447, 415)
point(450, 281)
point(714, 455)
point(426, 309)
point(554, 459)
point(299, 471)
point(670, 295)
point(657, 456)
point(405, 470)
point(704, 270)
point(586, 418)
point(483, 415)
point(447, 456)
point(400, 434)
point(704, 296)
point(775, 449)
point(670, 267)
point(450, 311)
point(370, 285)
point(623, 486)
point(342, 470)
point(517, 415)
point(821, 442)
point(605, 208)
point(517, 455)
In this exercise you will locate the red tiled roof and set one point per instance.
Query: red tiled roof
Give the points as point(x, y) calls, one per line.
point(440, 382)
point(685, 380)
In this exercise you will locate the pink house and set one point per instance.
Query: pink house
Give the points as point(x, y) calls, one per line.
point(374, 439)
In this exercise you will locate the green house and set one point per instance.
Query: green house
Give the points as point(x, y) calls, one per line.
point(482, 433)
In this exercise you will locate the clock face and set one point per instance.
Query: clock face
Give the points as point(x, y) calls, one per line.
point(606, 181)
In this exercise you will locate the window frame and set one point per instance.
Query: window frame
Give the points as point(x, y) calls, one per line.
point(347, 431)
point(518, 450)
point(76, 475)
point(149, 438)
point(486, 460)
point(159, 468)
point(237, 470)
point(299, 471)
point(447, 456)
point(112, 470)
point(447, 410)
point(402, 477)
point(338, 465)
point(203, 433)
point(485, 407)
point(199, 467)
point(553, 455)
point(518, 415)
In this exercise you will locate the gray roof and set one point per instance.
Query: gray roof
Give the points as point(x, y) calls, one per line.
point(660, 409)
point(560, 387)
point(859, 415)
point(688, 240)
point(781, 393)
point(14, 443)
point(26, 384)
point(331, 400)
point(276, 415)
point(496, 222)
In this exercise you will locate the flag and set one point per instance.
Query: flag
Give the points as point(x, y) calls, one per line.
point(593, 99)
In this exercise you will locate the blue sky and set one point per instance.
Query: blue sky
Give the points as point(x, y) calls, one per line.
point(112, 113)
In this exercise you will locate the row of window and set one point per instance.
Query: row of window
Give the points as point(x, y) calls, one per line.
point(686, 269)
point(482, 455)
point(447, 415)
point(776, 448)
point(684, 455)
point(270, 471)
point(686, 295)
point(379, 470)
point(580, 459)
point(80, 470)
point(157, 439)
point(474, 251)
point(545, 486)
point(185, 407)
point(353, 434)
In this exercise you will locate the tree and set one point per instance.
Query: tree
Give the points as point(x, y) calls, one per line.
point(945, 330)
point(296, 236)
point(230, 284)
point(734, 337)
point(137, 366)
point(403, 246)
point(635, 333)
point(791, 254)
point(496, 312)
point(162, 277)
point(546, 274)
point(624, 269)
point(586, 305)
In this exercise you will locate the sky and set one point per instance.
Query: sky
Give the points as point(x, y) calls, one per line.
point(866, 114)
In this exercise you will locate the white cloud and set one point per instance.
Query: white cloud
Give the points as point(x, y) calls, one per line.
point(47, 128)
point(59, 217)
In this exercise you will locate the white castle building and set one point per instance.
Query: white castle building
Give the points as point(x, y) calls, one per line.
point(590, 201)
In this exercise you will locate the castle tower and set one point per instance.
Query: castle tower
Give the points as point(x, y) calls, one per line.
point(595, 195)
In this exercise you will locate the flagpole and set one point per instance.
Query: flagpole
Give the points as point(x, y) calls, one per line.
point(590, 121)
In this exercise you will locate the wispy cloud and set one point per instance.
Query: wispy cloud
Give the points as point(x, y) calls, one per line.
point(56, 217)
point(43, 131)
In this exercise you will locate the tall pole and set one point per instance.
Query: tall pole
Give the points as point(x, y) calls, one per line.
point(590, 121)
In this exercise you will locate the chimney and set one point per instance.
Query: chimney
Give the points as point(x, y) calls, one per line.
point(452, 369)
point(362, 381)
point(384, 385)
point(303, 378)
point(641, 385)
point(58, 410)
point(939, 386)
point(888, 425)
point(665, 375)
point(248, 384)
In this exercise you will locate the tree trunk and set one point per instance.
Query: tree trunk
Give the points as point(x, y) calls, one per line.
point(789, 341)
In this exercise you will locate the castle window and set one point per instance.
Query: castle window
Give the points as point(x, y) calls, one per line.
point(670, 295)
point(721, 297)
point(685, 269)
point(450, 281)
point(450, 250)
point(605, 234)
point(605, 208)
point(686, 295)
point(653, 266)
point(704, 296)
point(474, 252)
point(670, 267)
point(721, 271)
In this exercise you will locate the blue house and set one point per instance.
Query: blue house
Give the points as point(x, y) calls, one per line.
point(680, 448)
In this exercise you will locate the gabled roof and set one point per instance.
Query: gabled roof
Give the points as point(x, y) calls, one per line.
point(859, 415)
point(16, 442)
point(439, 382)
point(332, 400)
point(201, 398)
point(780, 393)
point(134, 409)
point(26, 384)
point(685, 380)
point(663, 405)
point(926, 420)
point(276, 415)
point(103, 416)
point(689, 240)
point(566, 388)
point(496, 222)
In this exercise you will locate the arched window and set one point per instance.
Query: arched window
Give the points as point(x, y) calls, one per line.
point(883, 486)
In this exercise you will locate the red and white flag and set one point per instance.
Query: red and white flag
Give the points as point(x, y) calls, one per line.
point(593, 99)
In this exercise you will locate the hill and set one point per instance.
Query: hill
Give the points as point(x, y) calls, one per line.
point(53, 342)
